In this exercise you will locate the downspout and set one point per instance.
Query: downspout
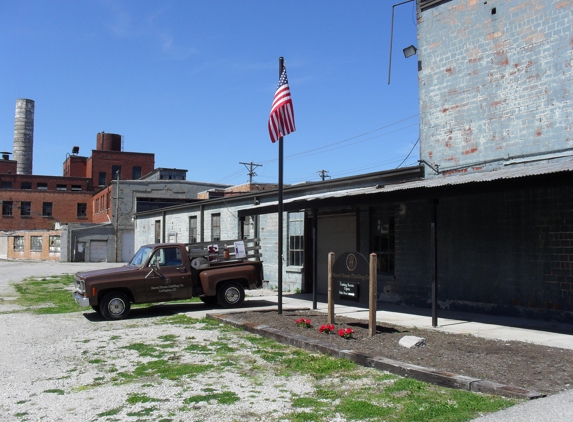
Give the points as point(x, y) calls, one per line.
point(202, 228)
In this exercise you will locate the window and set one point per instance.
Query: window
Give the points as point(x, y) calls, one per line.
point(82, 209)
point(157, 231)
point(26, 185)
point(102, 178)
point(116, 172)
point(42, 186)
point(215, 227)
point(76, 188)
point(192, 229)
point(46, 209)
point(6, 184)
point(61, 187)
point(167, 257)
point(136, 172)
point(6, 208)
point(55, 244)
point(19, 243)
point(296, 238)
point(383, 241)
point(25, 209)
point(36, 243)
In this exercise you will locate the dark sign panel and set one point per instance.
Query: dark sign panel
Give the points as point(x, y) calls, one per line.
point(350, 277)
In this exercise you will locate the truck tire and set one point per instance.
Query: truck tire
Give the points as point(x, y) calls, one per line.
point(230, 294)
point(115, 306)
point(209, 300)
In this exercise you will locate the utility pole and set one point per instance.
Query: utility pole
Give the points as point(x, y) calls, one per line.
point(323, 174)
point(251, 167)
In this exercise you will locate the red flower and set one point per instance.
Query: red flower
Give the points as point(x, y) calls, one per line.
point(346, 333)
point(302, 322)
point(326, 328)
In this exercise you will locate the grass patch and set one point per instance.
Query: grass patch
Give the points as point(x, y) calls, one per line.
point(140, 398)
point(145, 350)
point(225, 398)
point(47, 295)
point(55, 391)
point(178, 319)
point(144, 412)
point(167, 370)
point(111, 412)
point(198, 349)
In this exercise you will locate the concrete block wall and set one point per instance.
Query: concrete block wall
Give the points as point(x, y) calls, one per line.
point(508, 253)
point(495, 82)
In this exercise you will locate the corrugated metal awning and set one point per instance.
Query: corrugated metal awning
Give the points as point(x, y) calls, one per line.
point(421, 189)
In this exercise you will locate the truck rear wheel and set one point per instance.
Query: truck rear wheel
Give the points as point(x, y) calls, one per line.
point(114, 306)
point(230, 294)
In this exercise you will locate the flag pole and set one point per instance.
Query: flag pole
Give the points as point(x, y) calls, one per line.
point(280, 212)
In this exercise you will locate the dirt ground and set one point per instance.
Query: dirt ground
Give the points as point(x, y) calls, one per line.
point(544, 369)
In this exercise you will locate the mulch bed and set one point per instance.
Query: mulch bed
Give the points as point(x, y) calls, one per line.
point(544, 369)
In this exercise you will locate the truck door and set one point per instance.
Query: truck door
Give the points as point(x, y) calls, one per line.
point(174, 281)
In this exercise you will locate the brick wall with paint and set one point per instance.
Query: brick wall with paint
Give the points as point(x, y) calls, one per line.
point(495, 82)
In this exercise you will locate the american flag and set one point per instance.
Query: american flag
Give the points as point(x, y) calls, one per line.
point(281, 120)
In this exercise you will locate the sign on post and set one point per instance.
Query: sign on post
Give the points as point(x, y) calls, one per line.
point(350, 276)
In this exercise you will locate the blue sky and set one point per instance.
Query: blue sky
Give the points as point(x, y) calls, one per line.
point(193, 82)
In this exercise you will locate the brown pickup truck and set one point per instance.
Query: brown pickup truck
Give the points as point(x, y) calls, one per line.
point(173, 271)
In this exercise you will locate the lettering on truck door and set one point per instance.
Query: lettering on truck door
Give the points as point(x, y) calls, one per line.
point(175, 280)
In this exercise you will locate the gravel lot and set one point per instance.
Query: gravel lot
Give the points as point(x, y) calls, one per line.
point(75, 367)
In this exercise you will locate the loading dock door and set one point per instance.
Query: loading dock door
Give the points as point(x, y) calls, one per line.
point(98, 251)
point(336, 233)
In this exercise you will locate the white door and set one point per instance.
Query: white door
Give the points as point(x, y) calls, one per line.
point(127, 245)
point(98, 251)
point(336, 233)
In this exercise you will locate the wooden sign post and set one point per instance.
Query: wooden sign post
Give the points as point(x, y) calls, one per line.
point(373, 294)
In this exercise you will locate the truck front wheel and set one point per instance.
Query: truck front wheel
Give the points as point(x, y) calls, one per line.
point(115, 305)
point(230, 294)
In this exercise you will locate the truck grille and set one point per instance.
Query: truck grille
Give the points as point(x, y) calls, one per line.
point(79, 285)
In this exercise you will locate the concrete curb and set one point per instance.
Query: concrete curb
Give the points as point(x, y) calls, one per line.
point(419, 373)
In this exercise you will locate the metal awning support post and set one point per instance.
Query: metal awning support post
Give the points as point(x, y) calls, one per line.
point(314, 257)
point(434, 249)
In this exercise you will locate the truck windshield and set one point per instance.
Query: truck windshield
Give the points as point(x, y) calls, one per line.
point(141, 256)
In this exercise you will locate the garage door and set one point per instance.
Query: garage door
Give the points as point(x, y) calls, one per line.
point(336, 233)
point(98, 251)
